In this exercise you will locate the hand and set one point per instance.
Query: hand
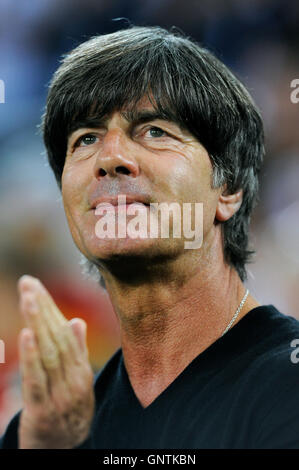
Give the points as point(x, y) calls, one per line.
point(57, 379)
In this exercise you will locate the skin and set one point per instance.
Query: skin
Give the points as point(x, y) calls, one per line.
point(171, 303)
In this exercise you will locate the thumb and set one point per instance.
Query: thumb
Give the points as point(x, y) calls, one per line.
point(79, 329)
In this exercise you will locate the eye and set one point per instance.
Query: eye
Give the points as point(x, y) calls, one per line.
point(157, 132)
point(87, 139)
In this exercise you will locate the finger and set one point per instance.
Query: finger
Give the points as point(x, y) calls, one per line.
point(48, 351)
point(32, 284)
point(39, 402)
point(59, 329)
point(69, 370)
point(79, 329)
point(59, 326)
point(34, 378)
point(50, 360)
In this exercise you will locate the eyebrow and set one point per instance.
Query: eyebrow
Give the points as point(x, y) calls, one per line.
point(88, 122)
point(132, 117)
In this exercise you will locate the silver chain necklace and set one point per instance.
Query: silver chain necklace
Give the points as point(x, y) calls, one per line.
point(237, 312)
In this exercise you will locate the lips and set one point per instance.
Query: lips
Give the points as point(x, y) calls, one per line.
point(119, 200)
point(122, 208)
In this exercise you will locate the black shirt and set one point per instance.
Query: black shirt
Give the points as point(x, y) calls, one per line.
point(241, 392)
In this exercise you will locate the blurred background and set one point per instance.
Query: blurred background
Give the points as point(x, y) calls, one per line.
point(258, 39)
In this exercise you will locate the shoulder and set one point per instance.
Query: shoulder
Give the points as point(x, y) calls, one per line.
point(261, 366)
point(269, 340)
point(265, 330)
point(272, 376)
point(270, 316)
point(259, 361)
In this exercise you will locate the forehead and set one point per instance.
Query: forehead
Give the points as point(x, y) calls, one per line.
point(143, 109)
point(146, 102)
point(143, 102)
point(133, 111)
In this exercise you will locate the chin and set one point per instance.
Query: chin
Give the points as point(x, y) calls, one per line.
point(107, 248)
point(149, 248)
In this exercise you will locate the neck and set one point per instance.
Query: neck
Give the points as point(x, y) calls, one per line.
point(167, 322)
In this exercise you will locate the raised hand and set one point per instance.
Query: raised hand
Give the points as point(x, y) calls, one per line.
point(57, 379)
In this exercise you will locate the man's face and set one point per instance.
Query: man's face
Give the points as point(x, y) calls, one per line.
point(146, 158)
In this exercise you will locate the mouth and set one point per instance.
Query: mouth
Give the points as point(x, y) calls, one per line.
point(115, 202)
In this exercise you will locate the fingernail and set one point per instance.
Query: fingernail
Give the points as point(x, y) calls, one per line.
point(79, 321)
point(25, 282)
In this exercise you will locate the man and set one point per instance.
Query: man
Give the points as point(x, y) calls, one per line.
point(149, 115)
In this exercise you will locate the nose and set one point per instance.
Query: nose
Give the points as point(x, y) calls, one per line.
point(115, 157)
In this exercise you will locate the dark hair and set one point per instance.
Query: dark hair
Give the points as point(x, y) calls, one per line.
point(189, 85)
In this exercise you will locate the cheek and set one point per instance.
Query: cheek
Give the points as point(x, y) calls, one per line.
point(73, 187)
point(170, 176)
point(201, 177)
point(74, 183)
point(194, 180)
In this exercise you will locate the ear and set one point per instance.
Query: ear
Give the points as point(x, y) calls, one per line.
point(228, 204)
